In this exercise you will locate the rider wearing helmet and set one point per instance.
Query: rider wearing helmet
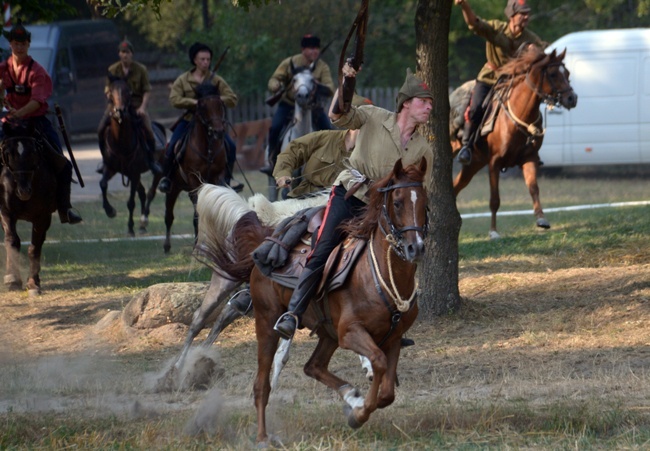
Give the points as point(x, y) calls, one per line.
point(504, 39)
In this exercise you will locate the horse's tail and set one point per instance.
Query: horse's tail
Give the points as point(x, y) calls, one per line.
point(220, 245)
point(272, 213)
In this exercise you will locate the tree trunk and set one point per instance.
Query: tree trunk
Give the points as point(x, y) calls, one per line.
point(439, 272)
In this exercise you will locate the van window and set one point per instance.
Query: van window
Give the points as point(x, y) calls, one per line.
point(613, 77)
point(89, 60)
point(42, 57)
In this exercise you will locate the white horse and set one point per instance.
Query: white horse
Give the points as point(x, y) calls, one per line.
point(304, 87)
point(215, 232)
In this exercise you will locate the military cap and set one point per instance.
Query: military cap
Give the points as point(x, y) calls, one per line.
point(19, 33)
point(196, 48)
point(412, 87)
point(515, 7)
point(309, 41)
point(125, 45)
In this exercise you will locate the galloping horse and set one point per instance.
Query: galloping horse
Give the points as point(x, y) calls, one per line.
point(527, 81)
point(125, 154)
point(305, 90)
point(201, 155)
point(367, 312)
point(28, 193)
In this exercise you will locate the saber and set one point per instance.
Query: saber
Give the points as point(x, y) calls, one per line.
point(59, 116)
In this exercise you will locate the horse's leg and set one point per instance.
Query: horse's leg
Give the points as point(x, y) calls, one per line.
point(170, 201)
point(495, 201)
point(465, 175)
point(39, 230)
point(267, 343)
point(144, 217)
point(195, 220)
point(103, 184)
point(387, 388)
point(357, 339)
point(530, 177)
point(12, 279)
point(130, 203)
point(218, 292)
point(151, 194)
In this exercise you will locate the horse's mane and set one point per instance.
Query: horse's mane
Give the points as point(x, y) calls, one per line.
point(363, 226)
point(523, 62)
point(206, 90)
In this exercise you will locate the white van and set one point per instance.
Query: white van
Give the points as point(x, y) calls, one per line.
point(76, 54)
point(610, 73)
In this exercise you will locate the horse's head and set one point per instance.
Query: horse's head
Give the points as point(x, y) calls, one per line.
point(398, 207)
point(550, 77)
point(303, 85)
point(210, 110)
point(119, 97)
point(21, 159)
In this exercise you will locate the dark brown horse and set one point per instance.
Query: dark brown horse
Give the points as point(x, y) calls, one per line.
point(517, 135)
point(368, 312)
point(28, 193)
point(201, 156)
point(126, 154)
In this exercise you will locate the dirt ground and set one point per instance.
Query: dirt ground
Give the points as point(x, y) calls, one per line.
point(538, 335)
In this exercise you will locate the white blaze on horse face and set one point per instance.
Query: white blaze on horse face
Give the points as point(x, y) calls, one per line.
point(20, 149)
point(414, 199)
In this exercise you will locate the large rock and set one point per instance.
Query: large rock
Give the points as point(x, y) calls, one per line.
point(163, 304)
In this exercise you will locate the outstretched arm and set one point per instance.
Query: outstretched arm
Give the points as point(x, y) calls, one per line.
point(468, 13)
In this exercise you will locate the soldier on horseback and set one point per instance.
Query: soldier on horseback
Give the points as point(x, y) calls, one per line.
point(137, 77)
point(504, 39)
point(281, 80)
point(384, 137)
point(28, 87)
point(183, 96)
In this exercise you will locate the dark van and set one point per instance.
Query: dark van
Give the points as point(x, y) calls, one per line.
point(76, 54)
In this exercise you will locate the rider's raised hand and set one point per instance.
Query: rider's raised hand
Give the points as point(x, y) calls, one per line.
point(282, 182)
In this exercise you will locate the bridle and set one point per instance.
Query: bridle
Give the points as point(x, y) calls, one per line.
point(118, 113)
point(311, 96)
point(5, 160)
point(395, 236)
point(213, 134)
point(554, 97)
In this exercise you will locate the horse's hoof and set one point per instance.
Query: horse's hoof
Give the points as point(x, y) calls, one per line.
point(13, 283)
point(131, 234)
point(543, 223)
point(142, 230)
point(34, 292)
point(144, 221)
point(352, 421)
point(110, 212)
point(494, 235)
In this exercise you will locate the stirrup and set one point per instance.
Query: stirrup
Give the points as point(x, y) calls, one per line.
point(287, 316)
point(241, 302)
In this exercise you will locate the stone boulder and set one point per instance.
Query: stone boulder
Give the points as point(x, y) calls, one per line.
point(163, 304)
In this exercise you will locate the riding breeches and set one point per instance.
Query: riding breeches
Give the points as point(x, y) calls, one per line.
point(181, 129)
point(330, 235)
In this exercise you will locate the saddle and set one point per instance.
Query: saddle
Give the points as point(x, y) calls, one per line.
point(282, 255)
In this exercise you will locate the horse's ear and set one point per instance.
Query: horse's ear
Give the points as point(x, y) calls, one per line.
point(423, 165)
point(398, 168)
point(553, 54)
point(562, 55)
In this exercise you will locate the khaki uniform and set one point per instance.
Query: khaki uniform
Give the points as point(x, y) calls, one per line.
point(283, 76)
point(137, 79)
point(378, 146)
point(500, 45)
point(183, 94)
point(322, 154)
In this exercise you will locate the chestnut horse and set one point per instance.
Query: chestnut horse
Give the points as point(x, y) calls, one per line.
point(526, 81)
point(201, 155)
point(126, 155)
point(368, 312)
point(28, 193)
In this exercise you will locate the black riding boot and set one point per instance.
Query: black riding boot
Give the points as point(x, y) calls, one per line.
point(465, 154)
point(242, 302)
point(154, 167)
point(305, 290)
point(66, 214)
point(165, 184)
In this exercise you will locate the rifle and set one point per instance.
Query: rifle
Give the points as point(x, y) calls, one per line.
point(275, 98)
point(59, 116)
point(347, 84)
point(221, 58)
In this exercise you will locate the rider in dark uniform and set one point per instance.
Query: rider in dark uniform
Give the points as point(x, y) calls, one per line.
point(28, 87)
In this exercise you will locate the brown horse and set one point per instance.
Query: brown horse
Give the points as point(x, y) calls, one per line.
point(28, 193)
point(201, 155)
point(368, 312)
point(527, 81)
point(125, 154)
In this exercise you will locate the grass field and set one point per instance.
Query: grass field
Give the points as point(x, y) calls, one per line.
point(551, 349)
